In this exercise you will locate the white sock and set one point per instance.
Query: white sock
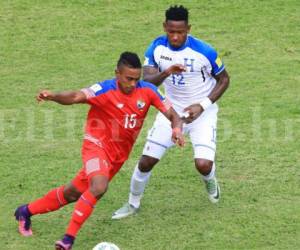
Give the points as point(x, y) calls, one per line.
point(138, 183)
point(211, 175)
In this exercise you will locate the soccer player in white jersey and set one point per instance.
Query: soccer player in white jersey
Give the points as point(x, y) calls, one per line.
point(194, 78)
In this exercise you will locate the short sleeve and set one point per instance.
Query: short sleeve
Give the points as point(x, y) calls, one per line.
point(96, 93)
point(215, 61)
point(149, 56)
point(158, 100)
point(94, 90)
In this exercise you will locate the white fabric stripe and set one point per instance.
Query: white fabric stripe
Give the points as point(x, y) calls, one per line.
point(206, 146)
point(57, 195)
point(88, 93)
point(93, 140)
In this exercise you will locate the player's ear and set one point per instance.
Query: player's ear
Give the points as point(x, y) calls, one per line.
point(189, 28)
point(165, 26)
point(117, 71)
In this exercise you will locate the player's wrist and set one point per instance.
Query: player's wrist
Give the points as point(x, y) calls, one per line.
point(167, 73)
point(176, 130)
point(205, 103)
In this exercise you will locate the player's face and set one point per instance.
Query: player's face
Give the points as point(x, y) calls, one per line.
point(127, 78)
point(177, 32)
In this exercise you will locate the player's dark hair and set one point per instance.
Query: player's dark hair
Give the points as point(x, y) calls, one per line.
point(177, 13)
point(130, 60)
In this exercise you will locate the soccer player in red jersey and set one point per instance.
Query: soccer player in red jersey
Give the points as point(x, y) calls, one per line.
point(118, 109)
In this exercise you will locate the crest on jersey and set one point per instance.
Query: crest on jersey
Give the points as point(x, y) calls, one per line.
point(140, 104)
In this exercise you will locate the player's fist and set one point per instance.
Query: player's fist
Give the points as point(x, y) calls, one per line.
point(191, 113)
point(44, 95)
point(177, 137)
point(176, 69)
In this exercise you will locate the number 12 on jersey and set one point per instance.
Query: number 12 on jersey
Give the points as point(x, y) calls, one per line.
point(178, 79)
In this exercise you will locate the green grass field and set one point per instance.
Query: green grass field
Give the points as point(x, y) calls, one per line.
point(71, 44)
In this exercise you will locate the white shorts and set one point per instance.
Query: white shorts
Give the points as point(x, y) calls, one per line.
point(202, 133)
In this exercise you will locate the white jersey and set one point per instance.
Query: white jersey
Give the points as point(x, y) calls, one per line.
point(196, 83)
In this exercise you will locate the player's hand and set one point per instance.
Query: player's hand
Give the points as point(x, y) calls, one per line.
point(175, 69)
point(177, 137)
point(44, 95)
point(192, 112)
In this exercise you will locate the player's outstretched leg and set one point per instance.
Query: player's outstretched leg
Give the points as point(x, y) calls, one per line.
point(84, 207)
point(23, 215)
point(138, 184)
point(52, 201)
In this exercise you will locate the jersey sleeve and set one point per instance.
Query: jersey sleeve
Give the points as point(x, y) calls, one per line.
point(93, 94)
point(149, 56)
point(215, 61)
point(158, 100)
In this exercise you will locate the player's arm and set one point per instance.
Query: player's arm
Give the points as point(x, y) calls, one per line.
point(221, 86)
point(63, 97)
point(164, 106)
point(153, 75)
point(176, 124)
point(195, 110)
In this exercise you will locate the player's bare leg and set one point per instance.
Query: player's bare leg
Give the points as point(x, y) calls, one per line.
point(207, 169)
point(139, 180)
point(53, 200)
point(98, 185)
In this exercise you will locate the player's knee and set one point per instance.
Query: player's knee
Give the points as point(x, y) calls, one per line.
point(99, 190)
point(203, 166)
point(146, 163)
point(71, 194)
point(99, 186)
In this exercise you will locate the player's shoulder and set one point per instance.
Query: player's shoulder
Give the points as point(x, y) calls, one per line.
point(149, 87)
point(160, 41)
point(104, 86)
point(200, 46)
point(146, 85)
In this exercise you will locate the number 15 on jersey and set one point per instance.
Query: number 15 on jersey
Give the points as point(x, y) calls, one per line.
point(130, 120)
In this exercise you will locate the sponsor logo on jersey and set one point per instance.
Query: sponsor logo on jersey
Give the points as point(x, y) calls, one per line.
point(166, 58)
point(96, 87)
point(219, 62)
point(140, 104)
point(146, 62)
point(161, 93)
point(120, 105)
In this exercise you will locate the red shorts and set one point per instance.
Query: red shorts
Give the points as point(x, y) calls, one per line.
point(95, 162)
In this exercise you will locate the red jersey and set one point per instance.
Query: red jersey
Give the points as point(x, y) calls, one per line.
point(115, 119)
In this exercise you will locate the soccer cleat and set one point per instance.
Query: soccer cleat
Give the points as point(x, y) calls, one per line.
point(213, 189)
point(23, 215)
point(124, 211)
point(60, 245)
point(65, 244)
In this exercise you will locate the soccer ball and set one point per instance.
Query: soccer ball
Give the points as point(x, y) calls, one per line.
point(106, 246)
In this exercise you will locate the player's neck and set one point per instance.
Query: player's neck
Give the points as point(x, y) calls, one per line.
point(122, 90)
point(182, 46)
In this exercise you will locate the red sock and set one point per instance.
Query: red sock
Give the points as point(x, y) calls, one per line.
point(83, 209)
point(50, 202)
